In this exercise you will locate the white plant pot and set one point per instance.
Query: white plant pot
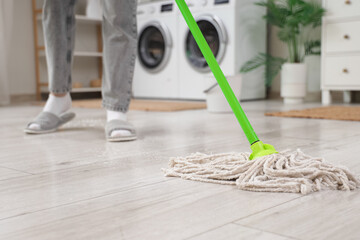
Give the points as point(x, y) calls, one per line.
point(94, 9)
point(293, 83)
point(215, 99)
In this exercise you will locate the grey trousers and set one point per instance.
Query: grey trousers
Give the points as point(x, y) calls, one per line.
point(119, 30)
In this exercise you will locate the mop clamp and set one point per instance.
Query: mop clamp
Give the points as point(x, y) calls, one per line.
point(260, 149)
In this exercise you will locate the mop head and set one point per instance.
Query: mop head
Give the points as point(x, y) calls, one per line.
point(288, 171)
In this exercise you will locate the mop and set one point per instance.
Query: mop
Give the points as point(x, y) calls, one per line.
point(265, 169)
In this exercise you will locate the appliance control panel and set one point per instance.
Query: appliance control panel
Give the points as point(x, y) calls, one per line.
point(197, 3)
point(167, 7)
point(217, 2)
point(206, 3)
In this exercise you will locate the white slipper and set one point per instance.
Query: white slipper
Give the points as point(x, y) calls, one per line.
point(49, 122)
point(119, 125)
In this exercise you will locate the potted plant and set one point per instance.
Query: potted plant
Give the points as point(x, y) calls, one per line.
point(291, 17)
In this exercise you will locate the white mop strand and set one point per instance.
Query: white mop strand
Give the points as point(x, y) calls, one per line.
point(292, 172)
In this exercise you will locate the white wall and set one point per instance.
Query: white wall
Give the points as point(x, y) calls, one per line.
point(21, 52)
point(276, 48)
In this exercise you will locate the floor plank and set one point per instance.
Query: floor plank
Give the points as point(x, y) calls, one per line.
point(325, 215)
point(6, 173)
point(234, 231)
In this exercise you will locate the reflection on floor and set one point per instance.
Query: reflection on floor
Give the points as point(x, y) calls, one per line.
point(74, 185)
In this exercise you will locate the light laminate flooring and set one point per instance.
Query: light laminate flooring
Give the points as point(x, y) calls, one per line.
point(72, 184)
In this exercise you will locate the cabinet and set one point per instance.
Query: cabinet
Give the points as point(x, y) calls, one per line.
point(340, 48)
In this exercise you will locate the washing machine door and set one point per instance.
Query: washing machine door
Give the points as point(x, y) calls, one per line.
point(215, 34)
point(154, 46)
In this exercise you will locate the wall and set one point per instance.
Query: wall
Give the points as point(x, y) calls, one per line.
point(21, 52)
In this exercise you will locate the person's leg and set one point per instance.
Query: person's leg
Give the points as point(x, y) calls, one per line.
point(120, 41)
point(59, 34)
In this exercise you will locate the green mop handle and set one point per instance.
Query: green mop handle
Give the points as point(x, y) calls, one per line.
point(218, 73)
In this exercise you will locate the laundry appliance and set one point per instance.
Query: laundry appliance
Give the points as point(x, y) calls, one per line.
point(156, 70)
point(236, 32)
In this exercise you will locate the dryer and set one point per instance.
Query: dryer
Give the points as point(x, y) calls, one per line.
point(236, 32)
point(156, 68)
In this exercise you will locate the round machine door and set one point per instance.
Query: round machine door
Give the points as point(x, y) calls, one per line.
point(154, 46)
point(215, 34)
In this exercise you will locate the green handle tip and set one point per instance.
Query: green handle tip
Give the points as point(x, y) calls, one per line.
point(259, 149)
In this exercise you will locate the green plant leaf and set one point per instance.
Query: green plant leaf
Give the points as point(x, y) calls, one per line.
point(313, 14)
point(256, 62)
point(312, 47)
point(272, 66)
point(292, 17)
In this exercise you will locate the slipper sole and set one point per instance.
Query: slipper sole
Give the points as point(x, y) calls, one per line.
point(39, 132)
point(122, 139)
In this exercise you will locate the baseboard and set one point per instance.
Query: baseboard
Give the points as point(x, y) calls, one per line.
point(274, 95)
point(313, 97)
point(22, 98)
point(310, 96)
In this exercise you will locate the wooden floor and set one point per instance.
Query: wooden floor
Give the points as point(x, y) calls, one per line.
point(74, 185)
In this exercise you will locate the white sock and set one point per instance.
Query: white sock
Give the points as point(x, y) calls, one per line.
point(112, 115)
point(58, 105)
point(55, 105)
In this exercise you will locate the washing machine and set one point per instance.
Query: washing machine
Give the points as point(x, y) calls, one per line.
point(156, 68)
point(236, 32)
